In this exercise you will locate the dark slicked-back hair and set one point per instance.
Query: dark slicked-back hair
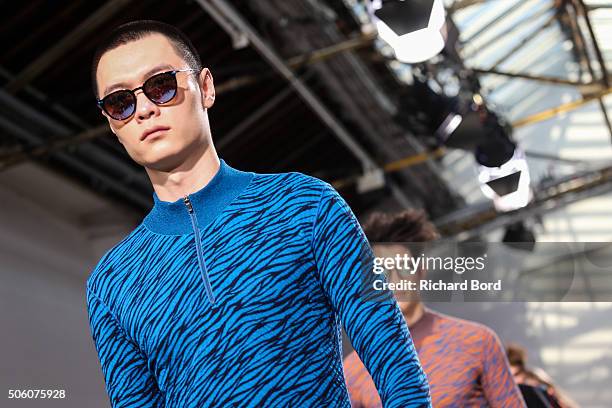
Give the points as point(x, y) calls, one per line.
point(136, 30)
point(404, 226)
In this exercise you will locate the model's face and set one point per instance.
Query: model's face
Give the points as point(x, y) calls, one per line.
point(184, 117)
point(405, 299)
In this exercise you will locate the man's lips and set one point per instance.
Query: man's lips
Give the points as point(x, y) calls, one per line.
point(152, 130)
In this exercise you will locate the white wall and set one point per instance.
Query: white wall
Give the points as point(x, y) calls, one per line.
point(45, 258)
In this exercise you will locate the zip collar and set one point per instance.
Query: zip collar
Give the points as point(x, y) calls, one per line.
point(172, 217)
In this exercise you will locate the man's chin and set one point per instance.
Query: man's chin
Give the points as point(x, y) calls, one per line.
point(406, 307)
point(161, 164)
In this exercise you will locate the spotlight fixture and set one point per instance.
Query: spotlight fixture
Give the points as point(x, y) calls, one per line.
point(502, 167)
point(518, 236)
point(415, 29)
point(508, 184)
point(465, 122)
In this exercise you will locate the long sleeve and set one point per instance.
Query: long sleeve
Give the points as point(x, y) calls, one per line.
point(371, 318)
point(129, 382)
point(497, 381)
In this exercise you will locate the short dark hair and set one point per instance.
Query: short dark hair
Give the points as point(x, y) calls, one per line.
point(405, 226)
point(136, 30)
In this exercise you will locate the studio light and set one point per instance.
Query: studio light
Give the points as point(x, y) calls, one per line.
point(415, 29)
point(508, 184)
point(465, 122)
point(501, 165)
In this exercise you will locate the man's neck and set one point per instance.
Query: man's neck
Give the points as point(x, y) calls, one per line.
point(413, 312)
point(192, 175)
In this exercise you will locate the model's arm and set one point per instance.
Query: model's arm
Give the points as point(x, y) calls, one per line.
point(129, 383)
point(376, 327)
point(497, 381)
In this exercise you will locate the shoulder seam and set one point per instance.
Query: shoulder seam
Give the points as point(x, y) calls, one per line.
point(115, 318)
point(117, 322)
point(99, 299)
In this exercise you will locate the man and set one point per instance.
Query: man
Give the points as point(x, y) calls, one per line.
point(465, 362)
point(535, 384)
point(231, 290)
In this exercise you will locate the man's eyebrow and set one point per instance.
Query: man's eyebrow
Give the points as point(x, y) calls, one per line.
point(123, 85)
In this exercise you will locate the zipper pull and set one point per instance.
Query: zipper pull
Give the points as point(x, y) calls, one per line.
point(188, 204)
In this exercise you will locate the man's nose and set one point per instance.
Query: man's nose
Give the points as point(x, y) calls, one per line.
point(144, 107)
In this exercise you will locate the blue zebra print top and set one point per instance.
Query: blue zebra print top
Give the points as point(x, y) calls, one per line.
point(234, 295)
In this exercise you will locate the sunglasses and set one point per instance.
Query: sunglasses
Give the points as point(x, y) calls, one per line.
point(160, 88)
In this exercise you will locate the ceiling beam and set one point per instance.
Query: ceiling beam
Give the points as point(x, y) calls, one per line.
point(72, 39)
point(307, 95)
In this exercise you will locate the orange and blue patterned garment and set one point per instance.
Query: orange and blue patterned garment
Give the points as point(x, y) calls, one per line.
point(464, 362)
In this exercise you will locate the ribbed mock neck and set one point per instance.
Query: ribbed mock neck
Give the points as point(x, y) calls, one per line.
point(172, 217)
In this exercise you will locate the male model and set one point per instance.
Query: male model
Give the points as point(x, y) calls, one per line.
point(232, 289)
point(465, 364)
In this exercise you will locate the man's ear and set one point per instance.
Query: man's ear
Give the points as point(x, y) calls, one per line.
point(208, 88)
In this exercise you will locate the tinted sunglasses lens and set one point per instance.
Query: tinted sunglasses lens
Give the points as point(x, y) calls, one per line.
point(120, 105)
point(160, 88)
